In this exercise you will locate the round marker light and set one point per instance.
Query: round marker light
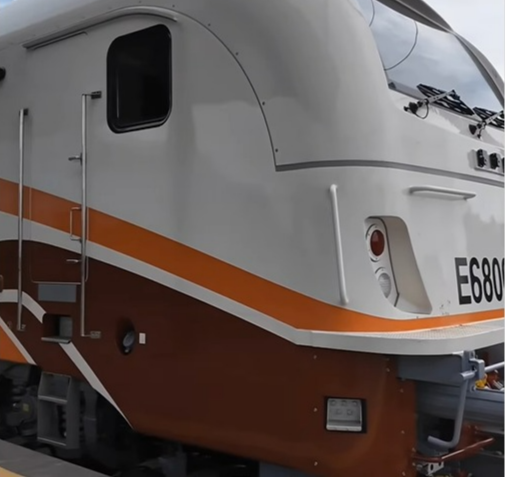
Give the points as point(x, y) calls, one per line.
point(377, 243)
point(129, 342)
point(385, 284)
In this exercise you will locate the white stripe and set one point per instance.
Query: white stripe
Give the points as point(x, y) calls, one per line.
point(81, 364)
point(421, 342)
point(14, 339)
point(10, 296)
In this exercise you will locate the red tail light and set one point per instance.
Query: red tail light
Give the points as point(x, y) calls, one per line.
point(377, 243)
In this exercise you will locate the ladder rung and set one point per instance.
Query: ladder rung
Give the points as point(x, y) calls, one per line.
point(56, 339)
point(53, 399)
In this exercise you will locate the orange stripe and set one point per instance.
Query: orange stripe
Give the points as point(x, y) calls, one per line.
point(9, 351)
point(287, 306)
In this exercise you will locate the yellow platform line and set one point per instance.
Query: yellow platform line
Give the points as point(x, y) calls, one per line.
point(6, 473)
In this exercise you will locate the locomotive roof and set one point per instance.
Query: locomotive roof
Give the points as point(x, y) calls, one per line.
point(43, 17)
point(25, 20)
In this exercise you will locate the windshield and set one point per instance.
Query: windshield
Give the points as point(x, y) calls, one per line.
point(413, 53)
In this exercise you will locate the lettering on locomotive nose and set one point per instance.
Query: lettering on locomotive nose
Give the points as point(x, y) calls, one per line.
point(480, 280)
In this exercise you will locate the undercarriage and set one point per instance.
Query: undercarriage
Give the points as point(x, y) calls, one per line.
point(460, 416)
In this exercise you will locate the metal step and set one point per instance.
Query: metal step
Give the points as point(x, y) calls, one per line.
point(59, 398)
point(53, 399)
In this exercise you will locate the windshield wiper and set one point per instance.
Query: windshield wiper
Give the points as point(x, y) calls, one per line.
point(487, 118)
point(448, 99)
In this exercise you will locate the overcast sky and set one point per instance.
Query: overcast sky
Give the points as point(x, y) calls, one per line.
point(481, 22)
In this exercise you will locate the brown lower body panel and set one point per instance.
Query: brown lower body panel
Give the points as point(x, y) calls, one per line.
point(210, 379)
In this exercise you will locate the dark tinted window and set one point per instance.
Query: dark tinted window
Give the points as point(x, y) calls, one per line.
point(138, 79)
point(414, 53)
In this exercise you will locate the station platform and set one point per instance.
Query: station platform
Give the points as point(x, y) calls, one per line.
point(16, 461)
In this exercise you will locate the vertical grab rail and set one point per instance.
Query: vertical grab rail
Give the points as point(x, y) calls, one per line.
point(342, 288)
point(83, 158)
point(22, 115)
point(84, 210)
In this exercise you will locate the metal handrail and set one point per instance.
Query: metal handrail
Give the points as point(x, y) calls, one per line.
point(83, 158)
point(458, 420)
point(22, 115)
point(463, 194)
point(83, 25)
point(494, 367)
point(344, 299)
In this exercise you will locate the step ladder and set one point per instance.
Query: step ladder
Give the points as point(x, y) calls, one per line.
point(59, 411)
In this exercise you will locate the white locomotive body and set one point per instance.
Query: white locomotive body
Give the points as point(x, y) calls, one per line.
point(287, 204)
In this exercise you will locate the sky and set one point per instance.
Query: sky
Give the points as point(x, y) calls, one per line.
point(479, 21)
